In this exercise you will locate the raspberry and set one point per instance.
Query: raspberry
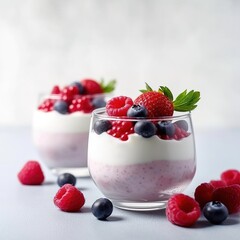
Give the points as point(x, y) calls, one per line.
point(182, 210)
point(118, 106)
point(69, 198)
point(91, 86)
point(217, 183)
point(31, 173)
point(180, 133)
point(229, 196)
point(47, 105)
point(56, 90)
point(203, 193)
point(231, 176)
point(121, 129)
point(81, 104)
point(68, 93)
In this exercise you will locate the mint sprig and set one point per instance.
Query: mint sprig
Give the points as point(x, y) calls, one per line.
point(108, 87)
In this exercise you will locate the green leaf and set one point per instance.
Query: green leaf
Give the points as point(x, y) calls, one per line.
point(149, 89)
point(166, 91)
point(109, 87)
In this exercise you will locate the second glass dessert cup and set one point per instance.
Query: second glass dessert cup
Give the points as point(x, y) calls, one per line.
point(137, 171)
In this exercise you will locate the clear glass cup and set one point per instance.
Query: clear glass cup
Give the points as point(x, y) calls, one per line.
point(136, 172)
point(62, 139)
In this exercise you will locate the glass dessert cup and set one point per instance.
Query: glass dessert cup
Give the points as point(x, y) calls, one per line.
point(62, 139)
point(141, 173)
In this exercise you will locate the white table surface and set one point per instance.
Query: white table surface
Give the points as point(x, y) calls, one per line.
point(28, 212)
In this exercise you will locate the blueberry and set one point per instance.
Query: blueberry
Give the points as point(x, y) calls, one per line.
point(145, 129)
point(101, 126)
point(182, 124)
point(66, 178)
point(215, 212)
point(137, 111)
point(98, 102)
point(102, 208)
point(166, 128)
point(79, 87)
point(61, 106)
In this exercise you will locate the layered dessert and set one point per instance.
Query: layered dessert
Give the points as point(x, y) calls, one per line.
point(61, 122)
point(140, 150)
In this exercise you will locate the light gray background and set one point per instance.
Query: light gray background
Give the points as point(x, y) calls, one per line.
point(181, 44)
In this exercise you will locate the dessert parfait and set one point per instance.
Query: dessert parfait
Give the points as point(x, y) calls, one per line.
point(61, 124)
point(142, 151)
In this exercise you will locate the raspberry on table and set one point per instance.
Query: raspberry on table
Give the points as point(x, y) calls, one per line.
point(69, 198)
point(182, 210)
point(118, 106)
point(31, 173)
point(229, 196)
point(203, 193)
point(231, 176)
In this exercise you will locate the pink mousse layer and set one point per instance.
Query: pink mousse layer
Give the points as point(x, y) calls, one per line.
point(152, 181)
point(59, 150)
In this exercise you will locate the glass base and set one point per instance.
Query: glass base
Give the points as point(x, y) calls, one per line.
point(140, 206)
point(77, 172)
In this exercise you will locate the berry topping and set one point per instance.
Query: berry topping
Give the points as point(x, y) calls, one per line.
point(65, 178)
point(231, 176)
point(166, 128)
point(102, 208)
point(80, 104)
point(69, 198)
point(68, 93)
point(215, 212)
point(47, 105)
point(137, 111)
point(98, 102)
point(121, 129)
point(101, 126)
point(31, 174)
point(217, 183)
point(91, 86)
point(56, 90)
point(118, 106)
point(203, 193)
point(182, 210)
point(229, 196)
point(61, 106)
point(182, 124)
point(145, 128)
point(79, 87)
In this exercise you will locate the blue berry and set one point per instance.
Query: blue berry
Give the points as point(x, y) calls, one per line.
point(98, 102)
point(102, 208)
point(101, 126)
point(182, 124)
point(79, 87)
point(61, 106)
point(145, 129)
point(65, 178)
point(137, 111)
point(215, 212)
point(166, 128)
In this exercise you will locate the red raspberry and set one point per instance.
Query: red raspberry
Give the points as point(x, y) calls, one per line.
point(229, 196)
point(182, 210)
point(91, 86)
point(31, 173)
point(56, 90)
point(217, 183)
point(80, 104)
point(231, 176)
point(203, 193)
point(69, 198)
point(68, 93)
point(47, 105)
point(118, 106)
point(121, 129)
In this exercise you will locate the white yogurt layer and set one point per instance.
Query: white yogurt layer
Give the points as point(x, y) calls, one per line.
point(53, 121)
point(109, 150)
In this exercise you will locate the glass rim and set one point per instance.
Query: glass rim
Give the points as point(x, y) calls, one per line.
point(101, 114)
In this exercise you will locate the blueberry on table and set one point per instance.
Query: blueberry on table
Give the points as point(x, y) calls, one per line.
point(65, 178)
point(61, 106)
point(215, 212)
point(166, 128)
point(102, 208)
point(101, 126)
point(137, 110)
point(145, 128)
